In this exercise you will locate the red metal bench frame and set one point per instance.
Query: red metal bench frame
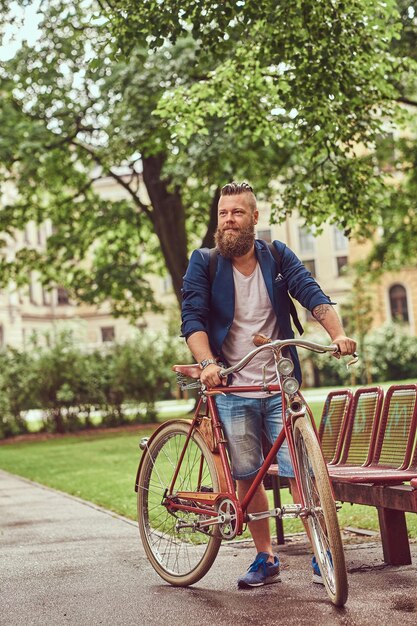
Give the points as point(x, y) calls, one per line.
point(337, 418)
point(382, 486)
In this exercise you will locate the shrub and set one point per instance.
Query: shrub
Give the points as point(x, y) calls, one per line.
point(68, 383)
point(390, 353)
point(16, 390)
point(393, 353)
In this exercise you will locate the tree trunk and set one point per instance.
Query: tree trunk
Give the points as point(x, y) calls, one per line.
point(59, 421)
point(168, 219)
point(208, 241)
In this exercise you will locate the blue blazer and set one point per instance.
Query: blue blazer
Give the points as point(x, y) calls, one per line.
point(210, 308)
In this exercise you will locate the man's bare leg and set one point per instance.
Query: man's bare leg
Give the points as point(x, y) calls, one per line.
point(259, 530)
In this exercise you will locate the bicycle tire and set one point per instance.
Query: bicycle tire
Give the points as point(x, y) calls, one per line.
point(322, 521)
point(180, 557)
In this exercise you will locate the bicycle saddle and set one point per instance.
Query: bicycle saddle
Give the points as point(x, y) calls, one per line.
point(193, 371)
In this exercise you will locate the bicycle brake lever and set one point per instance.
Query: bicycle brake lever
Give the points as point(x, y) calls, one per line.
point(352, 361)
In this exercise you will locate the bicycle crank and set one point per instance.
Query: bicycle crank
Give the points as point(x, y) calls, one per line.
point(230, 516)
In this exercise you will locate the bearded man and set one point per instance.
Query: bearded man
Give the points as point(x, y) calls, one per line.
point(219, 317)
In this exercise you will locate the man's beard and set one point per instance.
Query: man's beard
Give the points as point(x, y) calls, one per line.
point(235, 243)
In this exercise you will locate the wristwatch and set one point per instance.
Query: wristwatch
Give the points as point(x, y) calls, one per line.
point(206, 362)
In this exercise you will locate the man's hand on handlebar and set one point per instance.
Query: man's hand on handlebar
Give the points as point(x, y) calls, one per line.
point(210, 376)
point(345, 346)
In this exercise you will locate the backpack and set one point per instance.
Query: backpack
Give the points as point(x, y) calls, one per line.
point(277, 258)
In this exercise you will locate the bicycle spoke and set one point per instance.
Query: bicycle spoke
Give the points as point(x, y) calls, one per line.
point(175, 551)
point(321, 512)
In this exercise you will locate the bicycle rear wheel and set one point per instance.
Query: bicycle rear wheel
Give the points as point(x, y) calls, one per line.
point(181, 556)
point(322, 519)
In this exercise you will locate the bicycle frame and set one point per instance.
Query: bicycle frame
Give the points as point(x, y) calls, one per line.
point(291, 411)
point(186, 493)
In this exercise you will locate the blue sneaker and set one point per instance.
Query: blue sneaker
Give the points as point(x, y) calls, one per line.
point(317, 577)
point(316, 572)
point(260, 572)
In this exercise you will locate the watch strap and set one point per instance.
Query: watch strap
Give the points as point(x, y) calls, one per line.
point(207, 362)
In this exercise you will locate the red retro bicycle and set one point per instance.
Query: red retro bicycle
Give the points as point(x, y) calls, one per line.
point(187, 502)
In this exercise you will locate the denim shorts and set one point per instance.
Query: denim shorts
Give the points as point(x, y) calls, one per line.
point(243, 420)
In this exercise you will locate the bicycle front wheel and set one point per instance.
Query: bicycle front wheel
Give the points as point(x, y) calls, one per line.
point(181, 555)
point(322, 515)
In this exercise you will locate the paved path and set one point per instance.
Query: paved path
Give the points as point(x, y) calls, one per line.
point(64, 561)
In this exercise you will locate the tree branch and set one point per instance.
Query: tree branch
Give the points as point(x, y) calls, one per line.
point(81, 191)
point(405, 100)
point(117, 178)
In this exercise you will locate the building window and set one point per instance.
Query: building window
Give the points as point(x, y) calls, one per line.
point(310, 264)
point(398, 303)
point(62, 296)
point(340, 240)
point(265, 234)
point(342, 262)
point(107, 333)
point(306, 239)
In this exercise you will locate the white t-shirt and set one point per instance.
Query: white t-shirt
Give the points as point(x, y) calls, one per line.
point(254, 314)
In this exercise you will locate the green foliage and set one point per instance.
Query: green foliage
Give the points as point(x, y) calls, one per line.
point(73, 118)
point(327, 370)
point(17, 379)
point(357, 316)
point(387, 354)
point(121, 383)
point(393, 353)
point(332, 73)
point(191, 106)
point(65, 383)
point(318, 78)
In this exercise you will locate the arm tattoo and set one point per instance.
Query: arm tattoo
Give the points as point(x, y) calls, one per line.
point(320, 311)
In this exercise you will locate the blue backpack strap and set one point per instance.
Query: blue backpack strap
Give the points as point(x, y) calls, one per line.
point(293, 310)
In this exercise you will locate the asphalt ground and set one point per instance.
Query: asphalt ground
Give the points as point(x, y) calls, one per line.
point(66, 561)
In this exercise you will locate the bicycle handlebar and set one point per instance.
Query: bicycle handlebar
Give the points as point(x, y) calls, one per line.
point(277, 345)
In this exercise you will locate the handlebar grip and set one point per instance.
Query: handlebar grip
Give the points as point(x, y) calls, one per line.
point(354, 355)
point(260, 340)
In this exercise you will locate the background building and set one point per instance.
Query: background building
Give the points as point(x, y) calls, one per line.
point(35, 310)
point(330, 256)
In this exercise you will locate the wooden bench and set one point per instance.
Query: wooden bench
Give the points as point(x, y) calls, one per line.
point(389, 462)
point(372, 457)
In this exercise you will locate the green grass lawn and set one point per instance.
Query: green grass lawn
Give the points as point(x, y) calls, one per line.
point(102, 467)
